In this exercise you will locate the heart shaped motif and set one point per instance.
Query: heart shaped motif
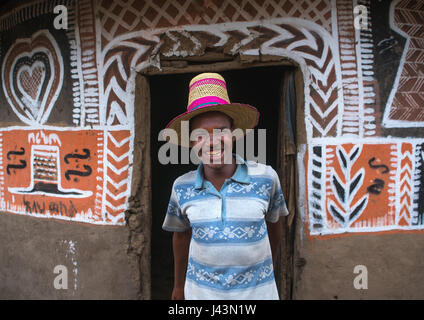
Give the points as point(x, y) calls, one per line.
point(30, 82)
point(32, 77)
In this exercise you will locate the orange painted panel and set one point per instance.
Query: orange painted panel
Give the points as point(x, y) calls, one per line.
point(360, 185)
point(370, 187)
point(53, 173)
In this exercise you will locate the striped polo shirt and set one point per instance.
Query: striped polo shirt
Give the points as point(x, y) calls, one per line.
point(230, 254)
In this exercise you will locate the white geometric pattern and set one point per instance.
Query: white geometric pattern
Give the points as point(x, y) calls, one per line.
point(302, 41)
point(232, 279)
point(122, 16)
point(231, 232)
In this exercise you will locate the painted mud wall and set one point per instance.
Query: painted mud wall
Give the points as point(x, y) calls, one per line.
point(68, 132)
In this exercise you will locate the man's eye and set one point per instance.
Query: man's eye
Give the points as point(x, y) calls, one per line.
point(223, 133)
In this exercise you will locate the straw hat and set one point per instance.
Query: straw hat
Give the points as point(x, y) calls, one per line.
point(208, 92)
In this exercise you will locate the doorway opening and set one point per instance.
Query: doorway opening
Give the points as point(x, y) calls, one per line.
point(265, 87)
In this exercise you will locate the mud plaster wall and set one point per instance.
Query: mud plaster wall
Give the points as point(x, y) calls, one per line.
point(72, 140)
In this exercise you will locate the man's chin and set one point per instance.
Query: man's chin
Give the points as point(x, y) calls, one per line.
point(214, 165)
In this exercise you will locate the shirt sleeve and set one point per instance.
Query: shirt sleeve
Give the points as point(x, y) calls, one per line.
point(277, 204)
point(175, 220)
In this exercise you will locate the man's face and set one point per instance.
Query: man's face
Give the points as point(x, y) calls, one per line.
point(211, 132)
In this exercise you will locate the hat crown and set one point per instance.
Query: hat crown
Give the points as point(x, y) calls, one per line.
point(207, 75)
point(207, 89)
point(208, 92)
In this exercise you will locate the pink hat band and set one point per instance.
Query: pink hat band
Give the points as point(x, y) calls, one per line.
point(208, 92)
point(206, 102)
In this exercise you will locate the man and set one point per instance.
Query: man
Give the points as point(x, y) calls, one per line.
point(226, 214)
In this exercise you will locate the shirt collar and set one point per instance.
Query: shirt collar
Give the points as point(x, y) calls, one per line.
point(240, 175)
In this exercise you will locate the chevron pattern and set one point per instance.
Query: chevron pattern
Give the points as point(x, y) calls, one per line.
point(323, 88)
point(272, 38)
point(118, 17)
point(117, 175)
point(408, 103)
point(362, 193)
point(406, 185)
point(118, 60)
point(97, 211)
point(341, 206)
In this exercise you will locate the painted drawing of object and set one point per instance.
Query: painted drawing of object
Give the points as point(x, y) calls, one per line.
point(32, 77)
point(45, 169)
point(345, 210)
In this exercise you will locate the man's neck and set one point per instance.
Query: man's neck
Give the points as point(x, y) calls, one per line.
point(217, 176)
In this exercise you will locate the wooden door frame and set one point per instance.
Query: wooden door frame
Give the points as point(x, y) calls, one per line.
point(285, 269)
point(141, 185)
point(139, 215)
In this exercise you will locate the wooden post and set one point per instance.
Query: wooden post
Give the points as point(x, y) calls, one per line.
point(139, 215)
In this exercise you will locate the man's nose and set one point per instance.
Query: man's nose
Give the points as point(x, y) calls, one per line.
point(214, 139)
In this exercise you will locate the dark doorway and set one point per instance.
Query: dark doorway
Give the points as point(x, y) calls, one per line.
point(261, 87)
